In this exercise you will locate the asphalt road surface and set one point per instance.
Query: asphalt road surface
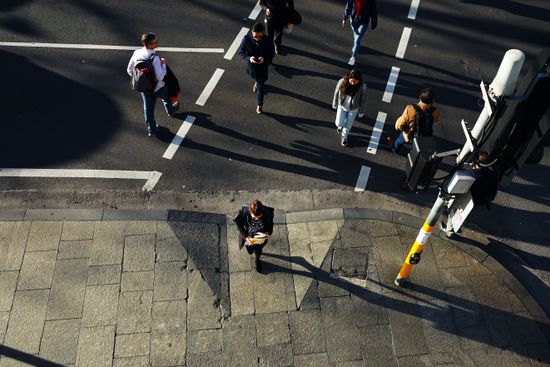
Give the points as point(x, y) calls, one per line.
point(72, 108)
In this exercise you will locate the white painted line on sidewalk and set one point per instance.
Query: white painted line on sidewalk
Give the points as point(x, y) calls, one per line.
point(210, 87)
point(255, 12)
point(236, 43)
point(363, 179)
point(414, 8)
point(400, 54)
point(390, 86)
point(152, 177)
point(176, 142)
point(108, 47)
point(377, 132)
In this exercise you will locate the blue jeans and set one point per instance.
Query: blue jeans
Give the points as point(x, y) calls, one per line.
point(399, 141)
point(260, 92)
point(344, 119)
point(149, 101)
point(359, 30)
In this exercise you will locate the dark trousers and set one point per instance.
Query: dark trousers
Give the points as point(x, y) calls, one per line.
point(260, 92)
point(275, 27)
point(256, 249)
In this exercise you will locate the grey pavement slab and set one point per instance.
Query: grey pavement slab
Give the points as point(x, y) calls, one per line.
point(27, 320)
point(242, 293)
point(137, 281)
point(8, 285)
point(77, 230)
point(104, 274)
point(278, 355)
point(108, 243)
point(307, 334)
point(131, 345)
point(44, 236)
point(75, 249)
point(139, 253)
point(170, 281)
point(68, 289)
point(63, 214)
point(272, 329)
point(203, 341)
point(12, 244)
point(168, 246)
point(203, 306)
point(100, 305)
point(168, 349)
point(311, 360)
point(202, 242)
point(169, 317)
point(60, 341)
point(137, 361)
point(95, 346)
point(37, 270)
point(134, 312)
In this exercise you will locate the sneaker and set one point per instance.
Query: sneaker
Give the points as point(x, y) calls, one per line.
point(277, 49)
point(259, 110)
point(176, 106)
point(351, 61)
point(339, 129)
point(344, 141)
point(150, 133)
point(391, 142)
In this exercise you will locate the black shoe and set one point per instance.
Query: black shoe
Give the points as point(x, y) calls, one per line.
point(344, 142)
point(258, 266)
point(339, 129)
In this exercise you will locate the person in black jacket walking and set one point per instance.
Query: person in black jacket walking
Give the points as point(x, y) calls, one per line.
point(360, 13)
point(258, 52)
point(253, 219)
point(275, 19)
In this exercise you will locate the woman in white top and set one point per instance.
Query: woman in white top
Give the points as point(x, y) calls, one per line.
point(349, 100)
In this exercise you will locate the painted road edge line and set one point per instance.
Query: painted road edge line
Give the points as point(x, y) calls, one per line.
point(377, 132)
point(178, 138)
point(210, 87)
point(255, 12)
point(390, 86)
point(236, 43)
point(152, 177)
point(363, 179)
point(400, 54)
point(414, 8)
point(108, 47)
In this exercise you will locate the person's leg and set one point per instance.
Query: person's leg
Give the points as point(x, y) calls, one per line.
point(260, 92)
point(258, 252)
point(350, 118)
point(162, 93)
point(278, 33)
point(269, 28)
point(149, 112)
point(399, 141)
point(340, 118)
point(249, 249)
point(359, 30)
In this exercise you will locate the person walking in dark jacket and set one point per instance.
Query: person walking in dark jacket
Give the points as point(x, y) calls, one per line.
point(275, 19)
point(360, 13)
point(258, 52)
point(254, 222)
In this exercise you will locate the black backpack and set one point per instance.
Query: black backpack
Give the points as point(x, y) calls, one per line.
point(423, 121)
point(144, 78)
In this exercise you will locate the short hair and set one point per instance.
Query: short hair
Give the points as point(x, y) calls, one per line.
point(255, 207)
point(258, 27)
point(148, 38)
point(427, 95)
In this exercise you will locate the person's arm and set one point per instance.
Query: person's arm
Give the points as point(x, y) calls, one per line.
point(336, 97)
point(269, 220)
point(160, 68)
point(130, 66)
point(243, 50)
point(290, 4)
point(374, 15)
point(437, 116)
point(347, 11)
point(240, 221)
point(403, 120)
point(263, 4)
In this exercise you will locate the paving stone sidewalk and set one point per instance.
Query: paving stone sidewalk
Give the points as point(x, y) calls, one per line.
point(163, 288)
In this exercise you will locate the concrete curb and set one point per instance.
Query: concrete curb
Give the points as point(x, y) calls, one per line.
point(509, 277)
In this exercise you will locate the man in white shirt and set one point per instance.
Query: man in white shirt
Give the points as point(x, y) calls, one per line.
point(150, 43)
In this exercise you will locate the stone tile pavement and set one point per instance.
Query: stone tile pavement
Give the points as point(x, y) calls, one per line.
point(167, 288)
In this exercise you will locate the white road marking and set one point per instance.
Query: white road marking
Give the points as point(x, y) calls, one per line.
point(390, 86)
point(174, 145)
point(400, 54)
point(414, 8)
point(236, 43)
point(152, 177)
point(210, 87)
point(255, 12)
point(363, 179)
point(377, 132)
point(108, 47)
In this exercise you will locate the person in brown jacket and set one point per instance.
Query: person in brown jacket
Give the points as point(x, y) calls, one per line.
point(416, 120)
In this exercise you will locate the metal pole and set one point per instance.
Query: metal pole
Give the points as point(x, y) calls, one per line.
point(421, 240)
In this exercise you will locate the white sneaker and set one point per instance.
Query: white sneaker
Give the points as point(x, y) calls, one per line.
point(351, 61)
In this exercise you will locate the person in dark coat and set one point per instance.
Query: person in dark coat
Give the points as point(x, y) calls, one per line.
point(257, 50)
point(275, 18)
point(252, 219)
point(360, 13)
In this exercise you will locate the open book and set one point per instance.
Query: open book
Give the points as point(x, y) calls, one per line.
point(259, 239)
